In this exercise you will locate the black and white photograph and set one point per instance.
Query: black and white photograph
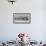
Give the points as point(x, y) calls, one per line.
point(21, 18)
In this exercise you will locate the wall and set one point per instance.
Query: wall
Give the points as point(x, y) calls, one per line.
point(37, 28)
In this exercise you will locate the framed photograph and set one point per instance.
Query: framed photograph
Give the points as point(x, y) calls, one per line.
point(21, 18)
